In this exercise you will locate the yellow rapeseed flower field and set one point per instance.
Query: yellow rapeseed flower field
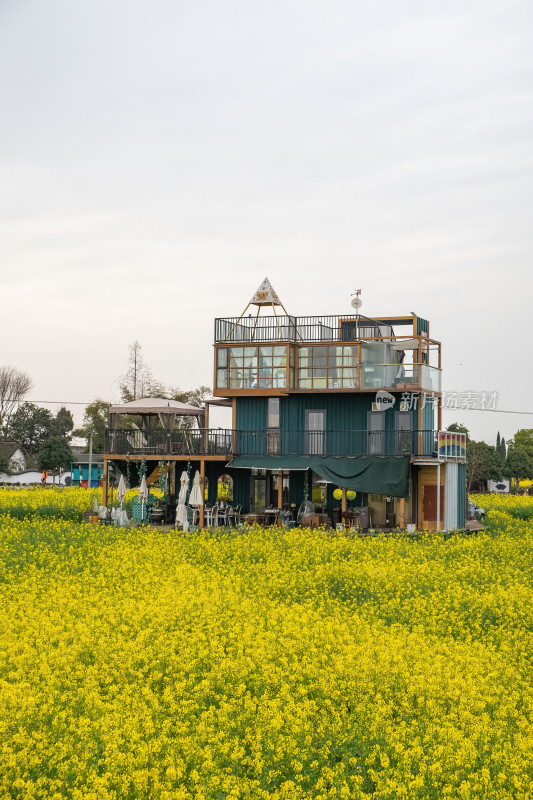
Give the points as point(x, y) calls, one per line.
point(136, 663)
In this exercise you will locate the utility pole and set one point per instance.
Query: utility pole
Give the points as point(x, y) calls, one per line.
point(90, 460)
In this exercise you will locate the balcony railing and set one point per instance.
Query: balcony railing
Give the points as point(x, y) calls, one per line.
point(336, 443)
point(399, 377)
point(366, 377)
point(193, 442)
point(286, 328)
point(228, 443)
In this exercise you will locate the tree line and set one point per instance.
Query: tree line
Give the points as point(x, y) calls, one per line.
point(505, 460)
point(46, 438)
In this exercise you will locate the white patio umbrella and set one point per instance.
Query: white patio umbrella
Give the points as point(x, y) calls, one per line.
point(121, 491)
point(143, 495)
point(181, 510)
point(196, 498)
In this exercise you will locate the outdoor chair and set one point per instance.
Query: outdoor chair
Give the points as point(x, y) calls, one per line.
point(221, 515)
point(234, 515)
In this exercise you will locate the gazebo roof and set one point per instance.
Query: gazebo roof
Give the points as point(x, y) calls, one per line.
point(157, 405)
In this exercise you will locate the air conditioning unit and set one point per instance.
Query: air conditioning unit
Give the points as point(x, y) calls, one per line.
point(404, 405)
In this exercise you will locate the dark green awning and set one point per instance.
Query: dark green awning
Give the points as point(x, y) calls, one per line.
point(374, 474)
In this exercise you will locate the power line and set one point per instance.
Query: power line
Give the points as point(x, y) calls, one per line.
point(445, 408)
point(492, 410)
point(62, 402)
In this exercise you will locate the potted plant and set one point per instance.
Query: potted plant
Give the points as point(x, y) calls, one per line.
point(156, 514)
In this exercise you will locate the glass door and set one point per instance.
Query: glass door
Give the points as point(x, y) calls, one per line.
point(258, 494)
point(315, 433)
point(376, 433)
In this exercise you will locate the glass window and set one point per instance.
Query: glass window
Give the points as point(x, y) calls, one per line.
point(265, 378)
point(222, 357)
point(273, 412)
point(253, 367)
point(279, 378)
point(334, 367)
point(225, 488)
point(222, 378)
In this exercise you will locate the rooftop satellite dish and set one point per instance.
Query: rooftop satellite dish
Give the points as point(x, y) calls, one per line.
point(356, 302)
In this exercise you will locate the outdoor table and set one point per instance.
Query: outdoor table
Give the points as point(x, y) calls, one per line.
point(252, 519)
point(272, 516)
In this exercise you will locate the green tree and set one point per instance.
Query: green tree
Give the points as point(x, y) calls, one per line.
point(4, 462)
point(94, 424)
point(55, 455)
point(63, 424)
point(483, 463)
point(30, 425)
point(194, 397)
point(518, 464)
point(458, 427)
point(523, 440)
point(500, 445)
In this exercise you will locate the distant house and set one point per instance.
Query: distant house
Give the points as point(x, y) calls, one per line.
point(79, 470)
point(15, 454)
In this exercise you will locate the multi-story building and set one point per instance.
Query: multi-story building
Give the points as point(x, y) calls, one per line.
point(322, 403)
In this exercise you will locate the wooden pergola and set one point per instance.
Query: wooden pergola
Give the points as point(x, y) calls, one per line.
point(154, 410)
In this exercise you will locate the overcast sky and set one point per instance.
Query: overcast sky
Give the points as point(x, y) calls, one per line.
point(159, 159)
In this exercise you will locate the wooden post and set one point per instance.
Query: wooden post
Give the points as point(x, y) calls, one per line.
point(280, 490)
point(105, 478)
point(438, 495)
point(344, 501)
point(401, 515)
point(233, 425)
point(420, 448)
point(202, 488)
point(206, 428)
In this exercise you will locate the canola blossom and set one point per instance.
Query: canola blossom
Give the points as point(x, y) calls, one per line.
point(54, 502)
point(518, 506)
point(136, 663)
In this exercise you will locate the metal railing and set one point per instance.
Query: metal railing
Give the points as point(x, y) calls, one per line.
point(336, 443)
point(286, 328)
point(225, 442)
point(193, 442)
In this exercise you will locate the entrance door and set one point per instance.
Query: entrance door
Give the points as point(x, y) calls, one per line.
point(258, 494)
point(389, 512)
point(429, 504)
point(315, 433)
point(376, 433)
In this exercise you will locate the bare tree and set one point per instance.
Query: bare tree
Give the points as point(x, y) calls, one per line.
point(14, 386)
point(138, 380)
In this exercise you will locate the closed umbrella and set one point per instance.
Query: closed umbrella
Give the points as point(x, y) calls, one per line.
point(121, 491)
point(181, 510)
point(196, 498)
point(143, 495)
